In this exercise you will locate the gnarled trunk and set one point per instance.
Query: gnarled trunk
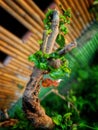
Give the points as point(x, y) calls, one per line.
point(31, 104)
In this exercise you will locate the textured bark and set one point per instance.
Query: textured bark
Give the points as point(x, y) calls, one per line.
point(31, 103)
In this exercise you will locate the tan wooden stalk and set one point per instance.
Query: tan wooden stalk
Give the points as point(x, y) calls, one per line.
point(18, 63)
point(19, 18)
point(81, 12)
point(6, 79)
point(36, 8)
point(30, 11)
point(12, 54)
point(12, 48)
point(88, 4)
point(23, 14)
point(17, 66)
point(17, 42)
point(86, 10)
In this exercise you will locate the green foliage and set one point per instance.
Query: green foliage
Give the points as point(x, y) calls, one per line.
point(40, 42)
point(23, 123)
point(64, 19)
point(60, 40)
point(82, 97)
point(48, 19)
point(94, 9)
point(41, 61)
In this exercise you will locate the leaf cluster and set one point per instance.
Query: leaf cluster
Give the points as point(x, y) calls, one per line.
point(64, 19)
point(42, 60)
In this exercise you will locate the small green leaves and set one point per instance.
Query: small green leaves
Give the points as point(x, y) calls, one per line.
point(67, 13)
point(40, 42)
point(57, 119)
point(60, 40)
point(63, 29)
point(56, 74)
point(54, 55)
point(43, 66)
point(39, 53)
point(48, 31)
point(32, 58)
point(48, 19)
point(67, 115)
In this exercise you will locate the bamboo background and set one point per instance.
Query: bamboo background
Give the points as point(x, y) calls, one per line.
point(16, 69)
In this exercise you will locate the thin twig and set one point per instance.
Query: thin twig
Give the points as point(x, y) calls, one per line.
point(67, 48)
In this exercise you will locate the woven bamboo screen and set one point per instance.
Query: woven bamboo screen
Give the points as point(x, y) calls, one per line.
point(15, 70)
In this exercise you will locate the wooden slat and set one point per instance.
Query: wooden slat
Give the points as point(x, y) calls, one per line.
point(21, 64)
point(19, 18)
point(77, 27)
point(82, 17)
point(88, 4)
point(10, 52)
point(30, 11)
point(17, 64)
point(10, 87)
point(85, 10)
point(20, 70)
point(18, 43)
point(13, 77)
point(10, 69)
point(36, 8)
point(6, 42)
point(11, 81)
point(23, 14)
point(8, 83)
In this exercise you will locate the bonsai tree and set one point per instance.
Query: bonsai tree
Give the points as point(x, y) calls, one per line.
point(47, 62)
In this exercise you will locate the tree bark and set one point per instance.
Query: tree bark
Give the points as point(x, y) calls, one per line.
point(31, 103)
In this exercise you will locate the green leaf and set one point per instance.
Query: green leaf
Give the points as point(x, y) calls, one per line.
point(48, 31)
point(60, 40)
point(40, 42)
point(33, 58)
point(83, 74)
point(62, 17)
point(57, 120)
point(38, 53)
point(63, 29)
point(54, 55)
point(67, 115)
point(74, 127)
point(67, 13)
point(43, 66)
point(46, 55)
point(57, 74)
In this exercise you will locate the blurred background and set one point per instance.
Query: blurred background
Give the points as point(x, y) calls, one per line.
point(21, 26)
